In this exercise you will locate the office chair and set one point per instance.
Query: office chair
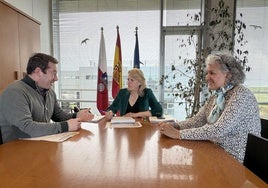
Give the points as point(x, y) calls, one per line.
point(264, 128)
point(256, 156)
point(1, 141)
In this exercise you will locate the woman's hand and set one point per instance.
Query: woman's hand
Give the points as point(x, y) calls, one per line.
point(130, 114)
point(168, 130)
point(138, 114)
point(109, 115)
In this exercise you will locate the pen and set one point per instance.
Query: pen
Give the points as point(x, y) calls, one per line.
point(76, 109)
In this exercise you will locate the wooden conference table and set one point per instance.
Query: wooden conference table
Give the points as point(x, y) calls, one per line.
point(121, 157)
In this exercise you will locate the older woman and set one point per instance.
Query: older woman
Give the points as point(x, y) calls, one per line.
point(136, 100)
point(229, 114)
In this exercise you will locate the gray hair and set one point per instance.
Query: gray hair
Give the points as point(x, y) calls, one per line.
point(228, 64)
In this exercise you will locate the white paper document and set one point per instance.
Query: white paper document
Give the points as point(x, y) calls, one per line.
point(123, 125)
point(54, 137)
point(165, 118)
point(121, 119)
point(97, 118)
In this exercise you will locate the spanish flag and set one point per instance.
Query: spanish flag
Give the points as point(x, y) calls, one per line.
point(117, 70)
point(102, 84)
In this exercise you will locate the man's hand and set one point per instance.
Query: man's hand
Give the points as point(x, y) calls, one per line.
point(74, 124)
point(85, 115)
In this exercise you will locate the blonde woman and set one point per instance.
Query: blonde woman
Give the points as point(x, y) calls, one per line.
point(136, 100)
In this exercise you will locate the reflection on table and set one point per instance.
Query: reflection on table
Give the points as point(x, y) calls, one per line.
point(122, 157)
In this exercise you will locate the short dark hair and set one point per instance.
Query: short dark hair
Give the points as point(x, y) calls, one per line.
point(40, 60)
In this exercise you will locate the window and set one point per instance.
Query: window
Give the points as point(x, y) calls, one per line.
point(77, 20)
point(176, 16)
point(255, 15)
point(77, 30)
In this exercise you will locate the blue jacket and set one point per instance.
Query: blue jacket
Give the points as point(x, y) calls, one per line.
point(147, 102)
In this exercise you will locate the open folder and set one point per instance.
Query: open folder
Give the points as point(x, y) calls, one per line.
point(54, 137)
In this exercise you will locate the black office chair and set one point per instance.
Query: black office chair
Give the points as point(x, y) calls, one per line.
point(1, 141)
point(264, 128)
point(256, 156)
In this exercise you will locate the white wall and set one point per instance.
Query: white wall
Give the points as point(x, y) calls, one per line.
point(41, 11)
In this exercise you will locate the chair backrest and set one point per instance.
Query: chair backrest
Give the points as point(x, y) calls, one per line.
point(256, 156)
point(264, 128)
point(1, 141)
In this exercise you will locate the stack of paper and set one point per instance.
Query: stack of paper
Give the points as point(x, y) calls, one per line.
point(54, 137)
point(165, 118)
point(123, 122)
point(121, 119)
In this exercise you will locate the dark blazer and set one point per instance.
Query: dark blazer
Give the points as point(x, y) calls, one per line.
point(147, 102)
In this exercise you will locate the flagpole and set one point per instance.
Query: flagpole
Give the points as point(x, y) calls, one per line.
point(136, 63)
point(102, 81)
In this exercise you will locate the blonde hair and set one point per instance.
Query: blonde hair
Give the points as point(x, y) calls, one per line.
point(138, 75)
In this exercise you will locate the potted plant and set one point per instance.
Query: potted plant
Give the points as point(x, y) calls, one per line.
point(221, 33)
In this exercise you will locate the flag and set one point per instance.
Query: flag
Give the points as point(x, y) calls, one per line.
point(117, 69)
point(102, 84)
point(136, 52)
